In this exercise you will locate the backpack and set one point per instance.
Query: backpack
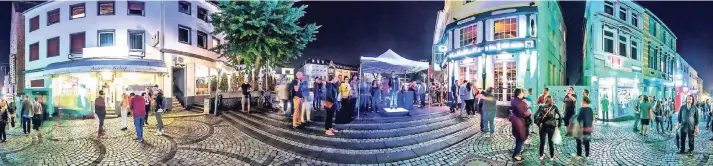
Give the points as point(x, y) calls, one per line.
point(546, 116)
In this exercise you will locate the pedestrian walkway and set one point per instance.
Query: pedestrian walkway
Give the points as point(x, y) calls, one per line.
point(210, 140)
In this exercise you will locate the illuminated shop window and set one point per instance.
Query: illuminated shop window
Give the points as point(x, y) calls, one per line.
point(469, 35)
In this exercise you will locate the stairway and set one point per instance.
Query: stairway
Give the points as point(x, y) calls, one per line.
point(176, 106)
point(367, 141)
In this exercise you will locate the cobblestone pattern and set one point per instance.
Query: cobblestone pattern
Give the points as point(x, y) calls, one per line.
point(208, 140)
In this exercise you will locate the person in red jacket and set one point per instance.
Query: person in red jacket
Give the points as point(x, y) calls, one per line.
point(138, 109)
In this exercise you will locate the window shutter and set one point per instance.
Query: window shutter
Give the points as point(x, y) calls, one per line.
point(456, 38)
point(77, 43)
point(53, 47)
point(522, 26)
point(136, 6)
point(480, 32)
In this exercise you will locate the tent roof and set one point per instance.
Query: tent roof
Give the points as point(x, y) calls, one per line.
point(390, 61)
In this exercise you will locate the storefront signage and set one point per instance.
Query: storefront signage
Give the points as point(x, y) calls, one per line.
point(111, 68)
point(493, 47)
point(613, 62)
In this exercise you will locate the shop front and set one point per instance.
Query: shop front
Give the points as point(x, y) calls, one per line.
point(619, 81)
point(75, 84)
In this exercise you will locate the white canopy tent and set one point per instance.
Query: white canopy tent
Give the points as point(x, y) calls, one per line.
point(390, 61)
point(387, 62)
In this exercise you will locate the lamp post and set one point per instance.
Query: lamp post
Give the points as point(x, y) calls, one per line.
point(217, 90)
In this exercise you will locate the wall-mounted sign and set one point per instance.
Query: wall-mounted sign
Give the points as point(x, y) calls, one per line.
point(613, 62)
point(111, 68)
point(465, 20)
point(493, 47)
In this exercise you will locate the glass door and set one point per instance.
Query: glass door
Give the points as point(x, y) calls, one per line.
point(505, 75)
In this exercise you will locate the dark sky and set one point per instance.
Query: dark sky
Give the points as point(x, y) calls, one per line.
point(353, 29)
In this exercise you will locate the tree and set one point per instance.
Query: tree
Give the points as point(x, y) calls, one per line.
point(261, 33)
point(213, 83)
point(223, 85)
point(235, 81)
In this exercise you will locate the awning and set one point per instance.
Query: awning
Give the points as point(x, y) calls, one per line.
point(112, 65)
point(390, 61)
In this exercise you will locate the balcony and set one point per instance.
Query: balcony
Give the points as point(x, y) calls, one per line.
point(109, 52)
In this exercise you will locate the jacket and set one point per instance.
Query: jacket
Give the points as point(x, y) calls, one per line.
point(549, 120)
point(282, 92)
point(3, 116)
point(519, 114)
point(99, 106)
point(332, 91)
point(421, 89)
point(137, 106)
point(688, 118)
point(159, 101)
point(27, 109)
point(394, 84)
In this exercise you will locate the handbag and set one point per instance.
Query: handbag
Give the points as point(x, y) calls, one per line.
point(576, 130)
point(557, 137)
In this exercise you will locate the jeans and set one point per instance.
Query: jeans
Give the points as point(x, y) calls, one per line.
point(100, 119)
point(12, 120)
point(146, 118)
point(296, 115)
point(708, 120)
point(659, 125)
point(375, 104)
point(26, 124)
point(683, 140)
point(422, 97)
point(469, 107)
point(605, 115)
point(159, 121)
point(636, 122)
point(364, 103)
point(286, 107)
point(518, 147)
point(317, 103)
point(546, 132)
point(124, 112)
point(579, 147)
point(328, 123)
point(489, 124)
point(394, 98)
point(3, 137)
point(670, 123)
point(139, 125)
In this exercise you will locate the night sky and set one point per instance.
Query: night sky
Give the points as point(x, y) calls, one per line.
point(353, 29)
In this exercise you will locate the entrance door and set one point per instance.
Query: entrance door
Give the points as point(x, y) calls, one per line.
point(505, 75)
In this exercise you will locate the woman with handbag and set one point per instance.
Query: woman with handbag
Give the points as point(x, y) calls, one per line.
point(519, 126)
point(545, 119)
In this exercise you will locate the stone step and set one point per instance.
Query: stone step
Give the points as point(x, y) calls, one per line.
point(367, 126)
point(314, 147)
point(356, 132)
point(427, 131)
point(382, 121)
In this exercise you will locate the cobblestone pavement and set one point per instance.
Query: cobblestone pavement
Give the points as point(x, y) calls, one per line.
point(210, 140)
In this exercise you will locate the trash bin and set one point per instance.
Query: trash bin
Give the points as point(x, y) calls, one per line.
point(206, 106)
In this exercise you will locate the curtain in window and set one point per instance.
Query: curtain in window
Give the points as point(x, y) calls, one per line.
point(136, 6)
point(136, 41)
point(106, 39)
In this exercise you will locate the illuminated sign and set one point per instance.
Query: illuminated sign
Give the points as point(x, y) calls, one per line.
point(493, 47)
point(465, 20)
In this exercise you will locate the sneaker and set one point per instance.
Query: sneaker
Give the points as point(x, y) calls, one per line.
point(329, 133)
point(517, 158)
point(334, 130)
point(124, 129)
point(542, 157)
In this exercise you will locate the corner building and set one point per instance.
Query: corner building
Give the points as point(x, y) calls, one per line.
point(501, 44)
point(75, 49)
point(628, 52)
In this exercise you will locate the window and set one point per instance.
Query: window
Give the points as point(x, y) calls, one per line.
point(622, 46)
point(202, 14)
point(53, 47)
point(136, 40)
point(469, 35)
point(505, 28)
point(634, 50)
point(136, 8)
point(622, 13)
point(608, 41)
point(202, 39)
point(35, 51)
point(216, 43)
point(34, 23)
point(77, 11)
point(609, 7)
point(184, 7)
point(106, 38)
point(76, 43)
point(184, 34)
point(635, 20)
point(53, 17)
point(105, 8)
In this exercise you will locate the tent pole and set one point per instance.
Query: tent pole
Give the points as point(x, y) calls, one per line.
point(359, 94)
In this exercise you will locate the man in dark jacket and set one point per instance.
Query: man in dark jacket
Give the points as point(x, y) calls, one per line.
point(100, 112)
point(159, 112)
point(27, 113)
point(688, 124)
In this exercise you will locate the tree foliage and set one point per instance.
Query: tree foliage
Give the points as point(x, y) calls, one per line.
point(234, 81)
point(213, 83)
point(262, 32)
point(223, 85)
